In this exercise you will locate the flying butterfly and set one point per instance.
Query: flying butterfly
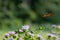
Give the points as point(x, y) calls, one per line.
point(46, 15)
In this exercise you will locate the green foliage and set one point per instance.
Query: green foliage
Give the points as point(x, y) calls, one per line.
point(30, 9)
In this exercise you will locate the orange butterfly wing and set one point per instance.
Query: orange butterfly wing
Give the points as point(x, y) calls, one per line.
point(49, 14)
point(46, 15)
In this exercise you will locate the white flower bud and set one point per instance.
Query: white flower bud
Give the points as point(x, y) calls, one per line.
point(11, 32)
point(10, 39)
point(58, 26)
point(20, 38)
point(25, 27)
point(31, 34)
point(54, 26)
point(20, 30)
point(7, 34)
point(39, 36)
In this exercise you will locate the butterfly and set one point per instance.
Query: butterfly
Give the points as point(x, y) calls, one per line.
point(46, 15)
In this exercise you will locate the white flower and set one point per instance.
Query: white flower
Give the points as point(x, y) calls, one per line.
point(20, 30)
point(31, 34)
point(11, 32)
point(10, 38)
point(16, 35)
point(20, 38)
point(7, 34)
point(58, 39)
point(43, 39)
point(48, 34)
point(53, 36)
point(39, 36)
point(53, 32)
point(54, 26)
point(58, 26)
point(25, 27)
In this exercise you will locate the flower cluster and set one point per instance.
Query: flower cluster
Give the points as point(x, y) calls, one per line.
point(56, 26)
point(26, 34)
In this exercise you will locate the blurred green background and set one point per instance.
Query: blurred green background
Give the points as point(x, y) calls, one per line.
point(15, 13)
